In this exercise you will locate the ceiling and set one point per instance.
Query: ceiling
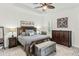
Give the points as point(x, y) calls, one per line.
point(30, 7)
point(58, 6)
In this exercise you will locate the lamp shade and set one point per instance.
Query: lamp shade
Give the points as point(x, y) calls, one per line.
point(12, 29)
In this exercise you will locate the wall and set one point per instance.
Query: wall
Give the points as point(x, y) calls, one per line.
point(10, 16)
point(73, 20)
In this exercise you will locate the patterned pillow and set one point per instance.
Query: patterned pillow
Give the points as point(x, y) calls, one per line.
point(30, 32)
point(23, 33)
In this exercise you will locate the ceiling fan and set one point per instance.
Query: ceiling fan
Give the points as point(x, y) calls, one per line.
point(45, 6)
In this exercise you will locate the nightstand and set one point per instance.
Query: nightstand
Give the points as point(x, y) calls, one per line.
point(12, 42)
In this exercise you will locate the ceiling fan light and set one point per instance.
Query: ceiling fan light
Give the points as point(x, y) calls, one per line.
point(45, 7)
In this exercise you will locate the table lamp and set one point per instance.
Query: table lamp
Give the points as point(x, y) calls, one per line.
point(12, 30)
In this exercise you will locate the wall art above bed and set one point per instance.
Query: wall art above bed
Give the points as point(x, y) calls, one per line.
point(62, 22)
point(26, 23)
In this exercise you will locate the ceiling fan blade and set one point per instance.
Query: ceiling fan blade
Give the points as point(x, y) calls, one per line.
point(49, 3)
point(39, 7)
point(50, 7)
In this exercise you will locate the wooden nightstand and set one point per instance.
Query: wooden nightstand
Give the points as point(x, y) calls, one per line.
point(12, 42)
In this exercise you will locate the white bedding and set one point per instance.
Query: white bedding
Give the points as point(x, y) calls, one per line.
point(29, 39)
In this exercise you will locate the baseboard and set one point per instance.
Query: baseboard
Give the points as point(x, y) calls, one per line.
point(75, 46)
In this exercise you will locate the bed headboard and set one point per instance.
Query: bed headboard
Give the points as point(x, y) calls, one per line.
point(24, 28)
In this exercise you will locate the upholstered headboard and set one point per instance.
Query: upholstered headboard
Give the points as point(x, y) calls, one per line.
point(24, 28)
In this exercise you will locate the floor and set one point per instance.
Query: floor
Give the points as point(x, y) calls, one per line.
point(60, 51)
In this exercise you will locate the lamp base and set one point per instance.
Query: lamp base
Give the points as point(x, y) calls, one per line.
point(12, 35)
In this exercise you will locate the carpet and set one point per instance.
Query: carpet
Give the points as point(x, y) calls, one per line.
point(60, 51)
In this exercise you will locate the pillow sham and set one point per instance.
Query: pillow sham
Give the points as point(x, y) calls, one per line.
point(23, 33)
point(30, 32)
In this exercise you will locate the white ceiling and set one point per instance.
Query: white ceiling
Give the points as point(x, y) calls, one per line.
point(30, 7)
point(58, 6)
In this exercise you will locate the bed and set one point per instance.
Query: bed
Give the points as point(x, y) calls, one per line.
point(28, 41)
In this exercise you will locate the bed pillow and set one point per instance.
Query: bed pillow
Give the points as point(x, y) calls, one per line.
point(30, 32)
point(23, 33)
point(27, 34)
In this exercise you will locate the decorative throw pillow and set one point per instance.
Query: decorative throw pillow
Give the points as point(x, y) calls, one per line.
point(30, 32)
point(27, 34)
point(23, 33)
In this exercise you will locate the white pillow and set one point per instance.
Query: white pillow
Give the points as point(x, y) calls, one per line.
point(31, 34)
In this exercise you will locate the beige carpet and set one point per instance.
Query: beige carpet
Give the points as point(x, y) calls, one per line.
point(60, 51)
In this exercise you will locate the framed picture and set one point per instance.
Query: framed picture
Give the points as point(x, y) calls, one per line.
point(26, 23)
point(62, 22)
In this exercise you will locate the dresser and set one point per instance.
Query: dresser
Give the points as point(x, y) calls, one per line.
point(62, 37)
point(12, 42)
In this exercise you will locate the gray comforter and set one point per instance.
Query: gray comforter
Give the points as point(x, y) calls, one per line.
point(29, 39)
